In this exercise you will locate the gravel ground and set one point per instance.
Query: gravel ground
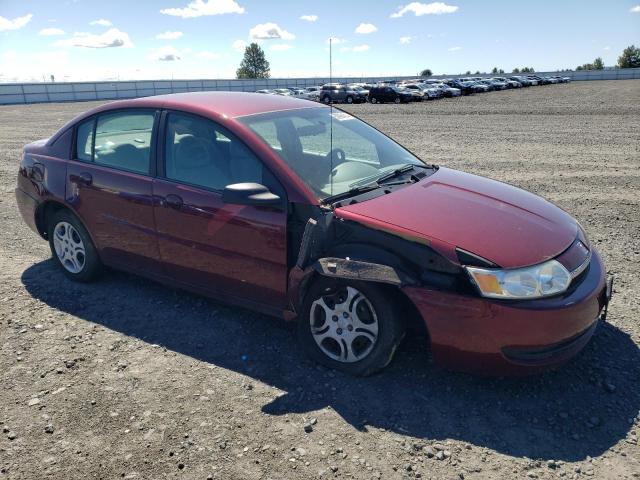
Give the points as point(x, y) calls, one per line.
point(127, 378)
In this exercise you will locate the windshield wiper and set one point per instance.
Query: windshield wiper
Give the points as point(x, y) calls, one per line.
point(396, 173)
point(352, 192)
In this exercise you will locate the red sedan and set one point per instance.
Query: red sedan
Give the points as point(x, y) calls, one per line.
point(303, 211)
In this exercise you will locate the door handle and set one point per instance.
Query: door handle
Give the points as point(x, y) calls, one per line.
point(173, 201)
point(83, 178)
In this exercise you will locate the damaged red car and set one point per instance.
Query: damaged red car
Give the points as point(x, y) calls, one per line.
point(303, 211)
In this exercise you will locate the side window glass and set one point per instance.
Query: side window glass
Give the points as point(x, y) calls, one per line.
point(84, 140)
point(202, 153)
point(123, 140)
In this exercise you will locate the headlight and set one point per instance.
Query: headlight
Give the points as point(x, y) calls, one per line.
point(549, 278)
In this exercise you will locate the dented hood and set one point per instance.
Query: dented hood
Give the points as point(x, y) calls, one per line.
point(502, 223)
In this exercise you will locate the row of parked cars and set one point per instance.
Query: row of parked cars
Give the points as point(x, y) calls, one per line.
point(412, 90)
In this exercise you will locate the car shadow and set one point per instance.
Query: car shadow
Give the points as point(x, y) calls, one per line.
point(580, 410)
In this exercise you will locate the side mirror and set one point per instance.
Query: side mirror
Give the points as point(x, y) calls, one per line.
point(250, 194)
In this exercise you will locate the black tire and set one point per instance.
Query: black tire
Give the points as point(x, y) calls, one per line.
point(326, 99)
point(373, 100)
point(390, 326)
point(397, 100)
point(91, 264)
point(349, 99)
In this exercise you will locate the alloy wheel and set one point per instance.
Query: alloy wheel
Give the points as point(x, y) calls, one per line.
point(69, 247)
point(344, 325)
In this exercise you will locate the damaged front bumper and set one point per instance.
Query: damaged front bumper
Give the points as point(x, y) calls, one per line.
point(513, 337)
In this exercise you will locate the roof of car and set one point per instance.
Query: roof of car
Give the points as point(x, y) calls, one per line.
point(230, 104)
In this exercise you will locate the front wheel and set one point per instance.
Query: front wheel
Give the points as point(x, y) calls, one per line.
point(326, 99)
point(72, 248)
point(396, 100)
point(350, 326)
point(373, 100)
point(349, 99)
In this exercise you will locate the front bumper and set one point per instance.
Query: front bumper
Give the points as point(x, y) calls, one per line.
point(513, 337)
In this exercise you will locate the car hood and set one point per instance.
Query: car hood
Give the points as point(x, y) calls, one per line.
point(449, 209)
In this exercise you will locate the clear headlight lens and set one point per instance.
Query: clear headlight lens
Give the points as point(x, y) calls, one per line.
point(548, 278)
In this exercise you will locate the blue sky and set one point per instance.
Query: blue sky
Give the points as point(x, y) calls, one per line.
point(138, 39)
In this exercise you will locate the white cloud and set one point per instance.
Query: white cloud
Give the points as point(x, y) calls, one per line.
point(199, 8)
point(635, 9)
point(419, 9)
point(309, 18)
point(169, 35)
point(166, 54)
point(102, 22)
point(607, 48)
point(46, 32)
point(405, 40)
point(454, 49)
point(15, 24)
point(239, 45)
point(281, 47)
point(365, 28)
point(208, 55)
point(111, 38)
point(270, 31)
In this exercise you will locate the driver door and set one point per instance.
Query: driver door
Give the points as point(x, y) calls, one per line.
point(238, 252)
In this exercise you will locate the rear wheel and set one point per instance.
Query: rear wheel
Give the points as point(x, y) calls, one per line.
point(349, 99)
point(396, 100)
point(326, 99)
point(373, 100)
point(350, 326)
point(72, 248)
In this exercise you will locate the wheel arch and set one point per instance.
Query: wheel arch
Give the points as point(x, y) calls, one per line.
point(370, 264)
point(47, 209)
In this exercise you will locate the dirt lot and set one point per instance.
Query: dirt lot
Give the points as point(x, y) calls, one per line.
point(129, 379)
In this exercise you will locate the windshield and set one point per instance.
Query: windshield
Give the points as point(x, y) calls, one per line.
point(329, 149)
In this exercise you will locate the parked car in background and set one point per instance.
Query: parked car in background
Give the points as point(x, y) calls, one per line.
point(497, 84)
point(489, 84)
point(417, 93)
point(389, 93)
point(337, 93)
point(466, 88)
point(311, 93)
point(480, 87)
point(508, 82)
point(424, 93)
point(539, 79)
point(308, 213)
point(282, 91)
point(265, 91)
point(359, 88)
point(522, 80)
point(446, 90)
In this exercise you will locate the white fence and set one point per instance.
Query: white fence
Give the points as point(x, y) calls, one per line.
point(17, 93)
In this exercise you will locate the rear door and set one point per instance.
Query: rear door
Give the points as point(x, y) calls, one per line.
point(109, 185)
point(233, 251)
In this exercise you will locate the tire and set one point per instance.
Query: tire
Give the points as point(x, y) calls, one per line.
point(326, 99)
point(397, 100)
point(72, 248)
point(370, 312)
point(349, 99)
point(373, 100)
